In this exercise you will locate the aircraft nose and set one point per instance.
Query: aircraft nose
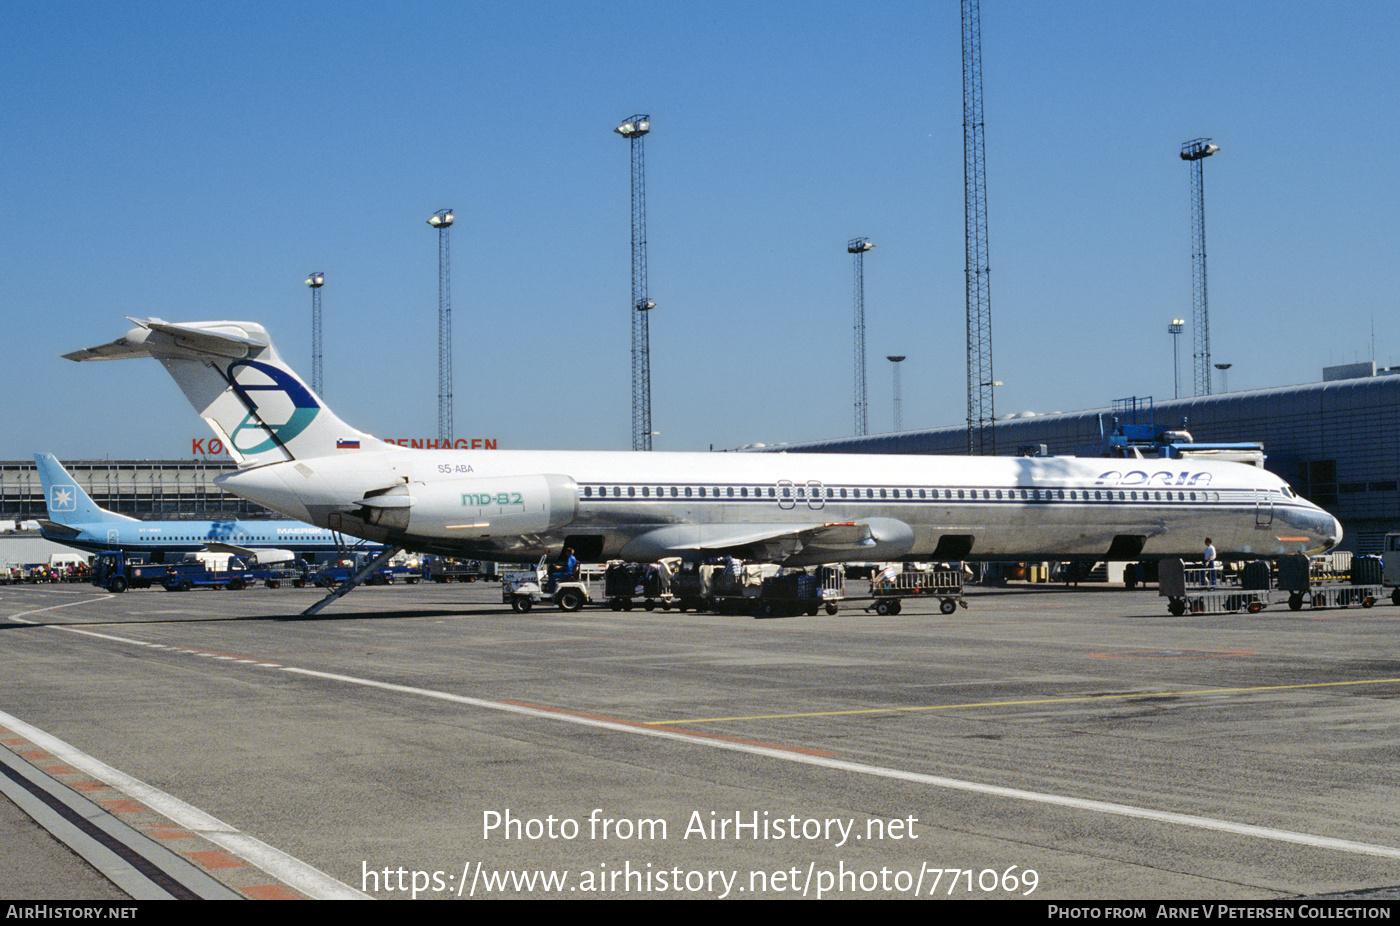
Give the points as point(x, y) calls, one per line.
point(1334, 535)
point(1327, 529)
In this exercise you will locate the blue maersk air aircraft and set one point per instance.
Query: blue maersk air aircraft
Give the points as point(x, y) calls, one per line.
point(297, 457)
point(76, 520)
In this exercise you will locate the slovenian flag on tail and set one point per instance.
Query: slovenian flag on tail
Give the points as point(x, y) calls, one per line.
point(347, 444)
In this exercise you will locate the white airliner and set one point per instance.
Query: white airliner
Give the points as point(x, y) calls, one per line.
point(297, 457)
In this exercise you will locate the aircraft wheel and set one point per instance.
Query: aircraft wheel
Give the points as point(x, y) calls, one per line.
point(831, 609)
point(118, 585)
point(570, 599)
point(947, 606)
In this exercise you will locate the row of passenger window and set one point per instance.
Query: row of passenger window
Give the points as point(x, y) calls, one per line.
point(831, 493)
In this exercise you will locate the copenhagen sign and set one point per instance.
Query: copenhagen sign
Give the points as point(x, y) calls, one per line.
point(212, 446)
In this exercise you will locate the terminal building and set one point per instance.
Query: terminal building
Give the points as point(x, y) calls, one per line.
point(147, 489)
point(1336, 442)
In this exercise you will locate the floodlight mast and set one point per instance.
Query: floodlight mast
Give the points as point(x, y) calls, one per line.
point(635, 130)
point(442, 221)
point(1224, 369)
point(1195, 152)
point(316, 281)
point(1174, 329)
point(895, 361)
point(981, 401)
point(858, 247)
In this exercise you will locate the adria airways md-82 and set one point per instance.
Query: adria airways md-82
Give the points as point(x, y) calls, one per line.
point(297, 457)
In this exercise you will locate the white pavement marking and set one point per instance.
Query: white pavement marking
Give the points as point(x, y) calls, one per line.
point(1122, 810)
point(67, 604)
point(290, 871)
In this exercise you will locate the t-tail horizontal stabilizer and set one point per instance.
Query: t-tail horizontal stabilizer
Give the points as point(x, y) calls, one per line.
point(256, 404)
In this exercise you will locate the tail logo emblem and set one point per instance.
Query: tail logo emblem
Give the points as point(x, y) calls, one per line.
point(62, 498)
point(286, 409)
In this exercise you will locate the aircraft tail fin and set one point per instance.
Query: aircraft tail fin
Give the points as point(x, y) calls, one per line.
point(254, 402)
point(68, 504)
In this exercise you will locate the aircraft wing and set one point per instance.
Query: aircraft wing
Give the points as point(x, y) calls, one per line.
point(260, 556)
point(217, 546)
point(869, 539)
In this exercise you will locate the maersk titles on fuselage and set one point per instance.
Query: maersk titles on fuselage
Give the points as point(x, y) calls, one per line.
point(297, 457)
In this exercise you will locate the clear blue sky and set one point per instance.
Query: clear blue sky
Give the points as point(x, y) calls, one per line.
point(196, 161)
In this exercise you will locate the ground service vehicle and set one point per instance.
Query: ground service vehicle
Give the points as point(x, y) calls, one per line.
point(115, 571)
point(189, 575)
point(449, 569)
point(525, 589)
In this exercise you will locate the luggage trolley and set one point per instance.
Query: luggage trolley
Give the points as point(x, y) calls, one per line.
point(801, 592)
point(1300, 578)
point(1195, 589)
point(889, 589)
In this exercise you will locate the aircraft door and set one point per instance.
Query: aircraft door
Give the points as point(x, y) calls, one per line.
point(786, 499)
point(815, 495)
point(1263, 508)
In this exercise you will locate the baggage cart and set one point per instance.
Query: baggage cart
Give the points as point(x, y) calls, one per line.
point(889, 589)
